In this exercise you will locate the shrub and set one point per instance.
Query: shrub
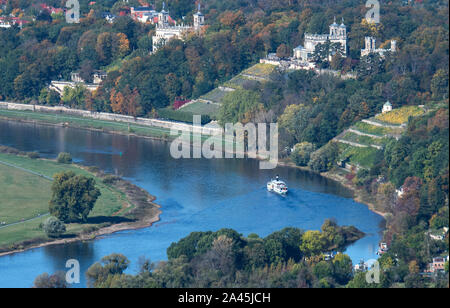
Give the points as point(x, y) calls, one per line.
point(53, 227)
point(33, 155)
point(110, 179)
point(64, 158)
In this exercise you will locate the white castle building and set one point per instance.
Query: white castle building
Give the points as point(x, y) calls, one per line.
point(370, 47)
point(165, 32)
point(338, 34)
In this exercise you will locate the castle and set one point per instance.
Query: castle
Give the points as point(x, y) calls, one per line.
point(338, 34)
point(370, 47)
point(165, 31)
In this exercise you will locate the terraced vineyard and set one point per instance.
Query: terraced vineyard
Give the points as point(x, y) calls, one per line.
point(209, 104)
point(201, 108)
point(360, 144)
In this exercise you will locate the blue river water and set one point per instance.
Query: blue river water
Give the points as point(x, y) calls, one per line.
point(195, 195)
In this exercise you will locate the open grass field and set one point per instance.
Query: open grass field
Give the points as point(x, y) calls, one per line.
point(24, 195)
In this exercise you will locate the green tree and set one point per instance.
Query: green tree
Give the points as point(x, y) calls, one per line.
point(64, 158)
point(54, 227)
point(46, 281)
point(312, 243)
point(323, 159)
point(73, 196)
point(302, 153)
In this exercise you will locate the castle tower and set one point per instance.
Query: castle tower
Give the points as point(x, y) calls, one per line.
point(370, 44)
point(163, 17)
point(199, 19)
point(393, 46)
point(343, 30)
point(334, 29)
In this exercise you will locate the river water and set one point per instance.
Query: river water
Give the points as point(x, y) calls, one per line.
point(195, 195)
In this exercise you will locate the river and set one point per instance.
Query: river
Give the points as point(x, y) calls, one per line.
point(195, 195)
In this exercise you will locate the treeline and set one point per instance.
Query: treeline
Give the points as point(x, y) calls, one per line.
point(287, 258)
point(238, 34)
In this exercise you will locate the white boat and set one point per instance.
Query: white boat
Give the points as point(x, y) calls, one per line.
point(277, 186)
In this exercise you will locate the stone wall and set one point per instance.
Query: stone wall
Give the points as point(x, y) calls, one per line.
point(211, 130)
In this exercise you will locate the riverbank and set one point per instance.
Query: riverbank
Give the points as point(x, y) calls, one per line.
point(122, 206)
point(334, 175)
point(128, 129)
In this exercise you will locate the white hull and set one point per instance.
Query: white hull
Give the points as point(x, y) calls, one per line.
point(277, 187)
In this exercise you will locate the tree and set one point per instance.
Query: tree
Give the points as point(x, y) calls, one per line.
point(302, 153)
point(323, 159)
point(283, 51)
point(312, 243)
point(73, 196)
point(53, 227)
point(46, 281)
point(439, 84)
point(343, 268)
point(64, 158)
point(108, 271)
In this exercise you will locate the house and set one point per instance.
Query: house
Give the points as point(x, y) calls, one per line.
point(383, 248)
point(370, 47)
point(361, 267)
point(438, 265)
point(337, 35)
point(97, 77)
point(8, 22)
point(109, 17)
point(438, 235)
point(387, 107)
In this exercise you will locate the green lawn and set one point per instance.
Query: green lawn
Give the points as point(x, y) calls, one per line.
point(202, 109)
point(24, 195)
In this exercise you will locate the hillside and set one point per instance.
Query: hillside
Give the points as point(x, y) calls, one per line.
point(209, 104)
point(361, 145)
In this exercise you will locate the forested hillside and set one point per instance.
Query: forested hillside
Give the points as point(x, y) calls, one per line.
point(405, 176)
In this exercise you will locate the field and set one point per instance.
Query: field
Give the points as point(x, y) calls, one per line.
point(215, 95)
point(364, 157)
point(202, 109)
point(24, 195)
point(401, 115)
point(236, 82)
point(364, 140)
point(376, 130)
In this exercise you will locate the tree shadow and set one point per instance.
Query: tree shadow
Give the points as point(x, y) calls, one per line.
point(106, 219)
